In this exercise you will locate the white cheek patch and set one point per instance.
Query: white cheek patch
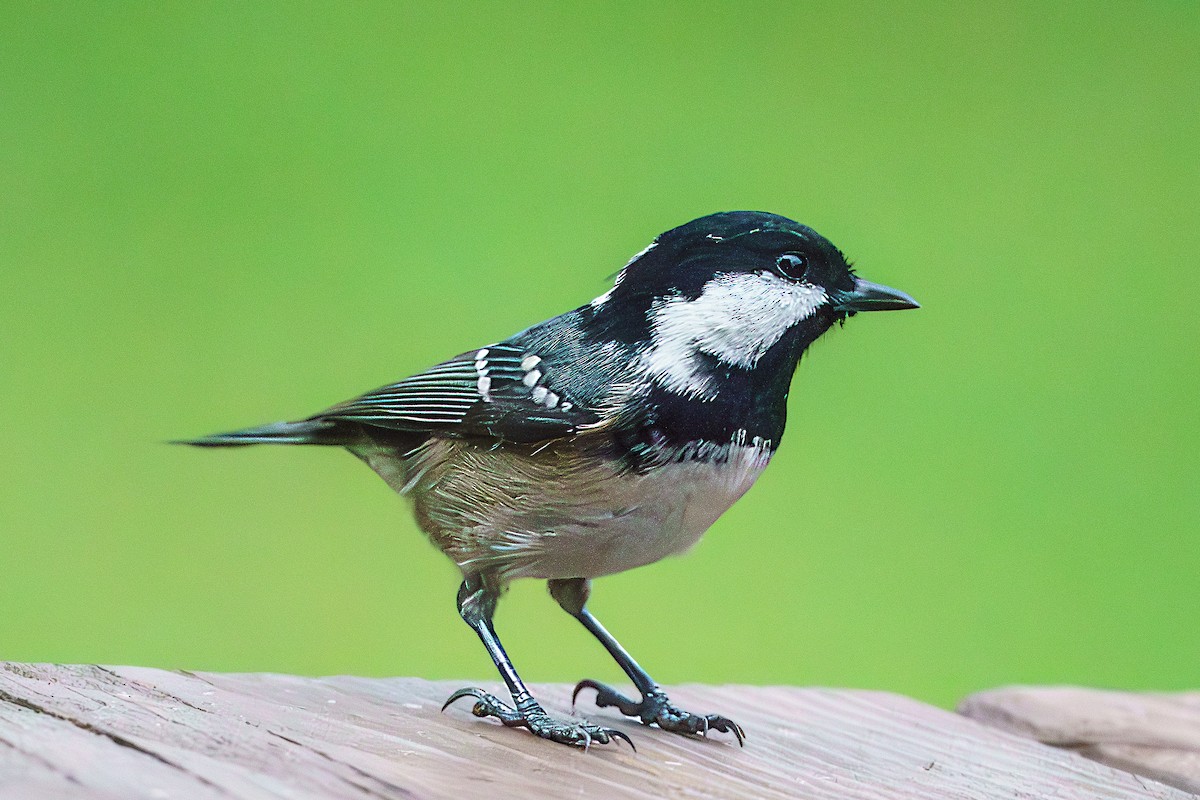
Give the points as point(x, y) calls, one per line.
point(737, 318)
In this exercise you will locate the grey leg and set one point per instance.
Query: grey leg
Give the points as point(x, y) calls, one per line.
point(476, 604)
point(654, 707)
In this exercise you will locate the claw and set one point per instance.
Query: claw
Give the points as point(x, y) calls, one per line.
point(586, 683)
point(619, 735)
point(726, 725)
point(479, 694)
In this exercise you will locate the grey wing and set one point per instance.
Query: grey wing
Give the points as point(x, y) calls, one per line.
point(499, 392)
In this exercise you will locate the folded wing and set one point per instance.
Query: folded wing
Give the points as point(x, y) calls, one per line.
point(498, 392)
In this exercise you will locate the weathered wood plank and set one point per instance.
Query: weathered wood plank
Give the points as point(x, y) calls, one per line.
point(92, 732)
point(1153, 734)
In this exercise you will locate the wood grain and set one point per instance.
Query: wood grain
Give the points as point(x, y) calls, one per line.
point(1153, 734)
point(125, 732)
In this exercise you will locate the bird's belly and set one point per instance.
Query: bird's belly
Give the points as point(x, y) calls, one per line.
point(568, 514)
point(657, 515)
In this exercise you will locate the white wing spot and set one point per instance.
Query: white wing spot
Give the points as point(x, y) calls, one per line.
point(539, 394)
point(484, 384)
point(530, 361)
point(551, 398)
point(532, 377)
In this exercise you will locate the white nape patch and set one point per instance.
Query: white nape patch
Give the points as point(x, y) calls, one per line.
point(737, 318)
point(602, 299)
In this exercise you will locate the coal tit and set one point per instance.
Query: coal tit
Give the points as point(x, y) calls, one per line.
point(605, 438)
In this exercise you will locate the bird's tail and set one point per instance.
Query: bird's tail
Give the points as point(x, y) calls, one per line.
point(307, 431)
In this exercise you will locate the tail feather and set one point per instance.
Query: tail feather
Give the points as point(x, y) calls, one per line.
point(308, 431)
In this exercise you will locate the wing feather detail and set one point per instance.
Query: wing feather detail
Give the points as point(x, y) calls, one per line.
point(483, 393)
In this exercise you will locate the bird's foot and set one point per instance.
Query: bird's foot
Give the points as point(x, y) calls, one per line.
point(654, 708)
point(537, 721)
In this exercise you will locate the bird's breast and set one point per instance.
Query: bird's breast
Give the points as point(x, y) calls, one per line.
point(565, 510)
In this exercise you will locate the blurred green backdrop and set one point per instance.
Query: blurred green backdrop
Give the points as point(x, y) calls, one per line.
point(220, 214)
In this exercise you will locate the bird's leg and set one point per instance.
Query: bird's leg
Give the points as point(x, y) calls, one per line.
point(477, 603)
point(654, 707)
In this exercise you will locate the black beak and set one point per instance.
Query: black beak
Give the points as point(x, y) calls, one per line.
point(867, 296)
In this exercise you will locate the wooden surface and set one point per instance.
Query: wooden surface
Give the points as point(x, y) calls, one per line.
point(1153, 734)
point(123, 732)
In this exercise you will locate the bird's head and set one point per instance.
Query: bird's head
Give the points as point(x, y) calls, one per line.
point(723, 291)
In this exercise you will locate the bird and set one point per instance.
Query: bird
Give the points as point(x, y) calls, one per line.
point(603, 439)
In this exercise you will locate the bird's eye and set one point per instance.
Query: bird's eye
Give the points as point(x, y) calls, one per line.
point(793, 265)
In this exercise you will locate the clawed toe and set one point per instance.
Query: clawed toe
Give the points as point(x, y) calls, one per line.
point(537, 721)
point(607, 697)
point(725, 725)
point(486, 705)
point(655, 709)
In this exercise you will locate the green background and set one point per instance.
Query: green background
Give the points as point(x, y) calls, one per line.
point(217, 215)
